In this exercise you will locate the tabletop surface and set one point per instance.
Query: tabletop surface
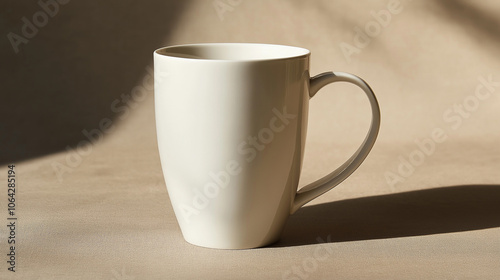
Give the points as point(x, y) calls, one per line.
point(102, 211)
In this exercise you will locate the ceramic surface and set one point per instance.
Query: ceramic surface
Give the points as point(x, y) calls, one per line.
point(231, 123)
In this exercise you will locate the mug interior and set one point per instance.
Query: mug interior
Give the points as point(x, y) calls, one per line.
point(233, 51)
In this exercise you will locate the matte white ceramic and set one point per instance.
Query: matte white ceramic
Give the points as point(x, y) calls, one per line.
point(231, 121)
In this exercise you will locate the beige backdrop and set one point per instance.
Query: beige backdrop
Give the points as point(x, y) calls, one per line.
point(102, 211)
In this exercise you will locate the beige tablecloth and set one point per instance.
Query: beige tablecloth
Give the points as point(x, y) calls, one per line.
point(424, 205)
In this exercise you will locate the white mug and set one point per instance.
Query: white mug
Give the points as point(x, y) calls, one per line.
point(231, 123)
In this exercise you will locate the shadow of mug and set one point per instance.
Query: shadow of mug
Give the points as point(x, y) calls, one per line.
point(414, 213)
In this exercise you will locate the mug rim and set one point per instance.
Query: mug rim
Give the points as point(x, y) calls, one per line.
point(292, 52)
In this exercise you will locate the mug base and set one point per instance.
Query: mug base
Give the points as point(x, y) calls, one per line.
point(232, 246)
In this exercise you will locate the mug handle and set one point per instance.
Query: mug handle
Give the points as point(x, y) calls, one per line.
point(319, 187)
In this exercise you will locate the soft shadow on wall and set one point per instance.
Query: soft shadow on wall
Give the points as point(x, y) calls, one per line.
point(64, 72)
point(476, 20)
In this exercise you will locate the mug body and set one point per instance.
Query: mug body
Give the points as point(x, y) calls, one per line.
point(231, 123)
